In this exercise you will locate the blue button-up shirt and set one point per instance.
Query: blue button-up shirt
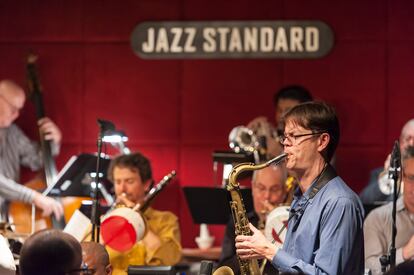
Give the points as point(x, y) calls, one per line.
point(325, 233)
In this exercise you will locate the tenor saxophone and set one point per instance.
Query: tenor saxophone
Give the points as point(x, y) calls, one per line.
point(241, 222)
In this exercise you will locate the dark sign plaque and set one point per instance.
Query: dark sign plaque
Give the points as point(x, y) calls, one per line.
point(232, 39)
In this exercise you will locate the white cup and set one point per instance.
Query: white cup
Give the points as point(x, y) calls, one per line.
point(204, 241)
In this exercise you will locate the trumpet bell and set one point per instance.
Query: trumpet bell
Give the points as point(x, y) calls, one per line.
point(242, 139)
point(122, 228)
point(276, 225)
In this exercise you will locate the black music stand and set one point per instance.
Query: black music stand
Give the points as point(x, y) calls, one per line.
point(211, 205)
point(75, 179)
point(231, 157)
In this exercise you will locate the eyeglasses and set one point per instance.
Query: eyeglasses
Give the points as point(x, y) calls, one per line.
point(292, 139)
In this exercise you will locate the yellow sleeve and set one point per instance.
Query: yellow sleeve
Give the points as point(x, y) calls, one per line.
point(165, 226)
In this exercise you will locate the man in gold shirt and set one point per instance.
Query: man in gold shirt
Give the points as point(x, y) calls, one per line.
point(132, 178)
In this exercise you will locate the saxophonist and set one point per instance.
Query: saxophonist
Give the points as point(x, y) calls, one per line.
point(325, 227)
point(268, 191)
point(132, 177)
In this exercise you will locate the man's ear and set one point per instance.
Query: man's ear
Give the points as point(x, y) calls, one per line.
point(323, 142)
point(108, 269)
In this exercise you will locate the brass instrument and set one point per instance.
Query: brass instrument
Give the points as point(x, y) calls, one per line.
point(223, 270)
point(241, 222)
point(290, 184)
point(243, 139)
point(259, 141)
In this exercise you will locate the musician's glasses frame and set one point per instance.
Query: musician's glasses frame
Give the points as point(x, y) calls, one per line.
point(292, 139)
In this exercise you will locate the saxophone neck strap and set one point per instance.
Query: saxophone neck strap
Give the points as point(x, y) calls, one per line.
point(328, 173)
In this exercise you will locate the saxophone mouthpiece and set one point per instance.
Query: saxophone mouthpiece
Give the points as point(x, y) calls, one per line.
point(277, 160)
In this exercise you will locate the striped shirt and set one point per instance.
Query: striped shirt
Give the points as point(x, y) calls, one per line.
point(16, 150)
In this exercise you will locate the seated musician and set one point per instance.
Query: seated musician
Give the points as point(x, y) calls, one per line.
point(132, 177)
point(96, 258)
point(50, 252)
point(378, 223)
point(16, 149)
point(268, 191)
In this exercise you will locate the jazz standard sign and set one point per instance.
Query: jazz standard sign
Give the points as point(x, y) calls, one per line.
point(232, 39)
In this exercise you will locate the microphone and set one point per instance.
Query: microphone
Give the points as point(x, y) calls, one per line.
point(206, 268)
point(395, 161)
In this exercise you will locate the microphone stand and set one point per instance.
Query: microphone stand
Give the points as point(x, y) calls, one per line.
point(395, 167)
point(95, 213)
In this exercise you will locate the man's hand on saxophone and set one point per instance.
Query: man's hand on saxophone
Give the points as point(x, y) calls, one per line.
point(255, 246)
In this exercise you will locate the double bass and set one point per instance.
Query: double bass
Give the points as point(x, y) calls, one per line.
point(26, 218)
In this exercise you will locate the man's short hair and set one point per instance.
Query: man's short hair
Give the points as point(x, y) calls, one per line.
point(97, 251)
point(294, 92)
point(317, 117)
point(282, 170)
point(136, 162)
point(50, 252)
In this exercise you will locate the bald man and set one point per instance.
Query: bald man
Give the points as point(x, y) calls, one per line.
point(50, 252)
point(96, 258)
point(17, 150)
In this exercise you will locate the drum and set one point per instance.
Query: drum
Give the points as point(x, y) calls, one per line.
point(122, 229)
point(276, 225)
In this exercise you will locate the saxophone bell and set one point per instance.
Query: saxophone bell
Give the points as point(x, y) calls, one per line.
point(223, 270)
